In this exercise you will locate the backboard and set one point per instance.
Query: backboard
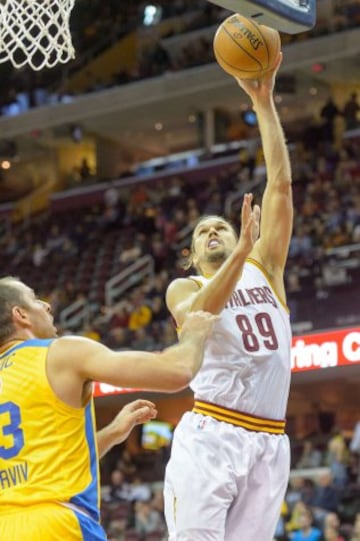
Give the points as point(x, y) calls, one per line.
point(288, 16)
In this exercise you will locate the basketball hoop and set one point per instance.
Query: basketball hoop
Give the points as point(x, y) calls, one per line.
point(35, 33)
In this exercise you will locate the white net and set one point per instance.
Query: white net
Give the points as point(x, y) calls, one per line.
point(35, 32)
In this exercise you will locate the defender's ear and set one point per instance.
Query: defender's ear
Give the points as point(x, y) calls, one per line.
point(20, 315)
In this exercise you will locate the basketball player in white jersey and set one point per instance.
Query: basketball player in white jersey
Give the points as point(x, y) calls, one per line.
point(230, 460)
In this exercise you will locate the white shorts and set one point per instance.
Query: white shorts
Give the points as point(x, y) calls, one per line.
point(224, 483)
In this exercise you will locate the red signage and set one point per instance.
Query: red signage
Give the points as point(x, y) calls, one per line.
point(308, 352)
point(104, 389)
point(325, 350)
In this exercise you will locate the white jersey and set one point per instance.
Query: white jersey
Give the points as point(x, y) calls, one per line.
point(246, 364)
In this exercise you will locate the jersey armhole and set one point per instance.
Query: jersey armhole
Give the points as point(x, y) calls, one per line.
point(263, 270)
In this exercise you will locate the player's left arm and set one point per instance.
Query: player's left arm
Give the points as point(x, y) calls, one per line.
point(132, 414)
point(277, 204)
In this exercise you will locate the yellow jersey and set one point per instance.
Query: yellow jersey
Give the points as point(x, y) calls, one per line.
point(48, 450)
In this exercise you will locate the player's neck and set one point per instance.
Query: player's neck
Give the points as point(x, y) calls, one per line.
point(209, 272)
point(10, 342)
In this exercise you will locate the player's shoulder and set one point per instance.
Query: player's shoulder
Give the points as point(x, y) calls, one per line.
point(184, 283)
point(70, 346)
point(178, 291)
point(71, 340)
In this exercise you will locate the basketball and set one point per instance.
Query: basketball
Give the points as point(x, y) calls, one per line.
point(245, 49)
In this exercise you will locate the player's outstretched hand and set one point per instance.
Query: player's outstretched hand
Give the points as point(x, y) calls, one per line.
point(259, 89)
point(250, 224)
point(198, 322)
point(132, 414)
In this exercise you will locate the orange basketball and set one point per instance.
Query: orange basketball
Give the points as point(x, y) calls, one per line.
point(244, 48)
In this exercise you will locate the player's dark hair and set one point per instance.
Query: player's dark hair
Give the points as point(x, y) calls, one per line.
point(10, 296)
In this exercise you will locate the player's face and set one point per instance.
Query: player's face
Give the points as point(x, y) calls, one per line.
point(38, 316)
point(213, 241)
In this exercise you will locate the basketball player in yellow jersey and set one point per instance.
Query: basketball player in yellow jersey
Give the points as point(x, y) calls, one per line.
point(231, 449)
point(49, 478)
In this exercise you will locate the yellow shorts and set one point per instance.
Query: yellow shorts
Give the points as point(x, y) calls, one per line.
point(49, 522)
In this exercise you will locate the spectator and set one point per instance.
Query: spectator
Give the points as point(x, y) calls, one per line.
point(306, 532)
point(294, 522)
point(294, 491)
point(280, 532)
point(111, 196)
point(351, 112)
point(147, 519)
point(310, 457)
point(140, 491)
point(326, 497)
point(331, 528)
point(355, 534)
point(355, 449)
point(85, 171)
point(120, 491)
point(143, 339)
point(39, 255)
point(328, 113)
point(126, 465)
point(337, 457)
point(331, 534)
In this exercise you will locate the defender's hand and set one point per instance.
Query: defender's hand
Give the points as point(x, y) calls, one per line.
point(132, 414)
point(199, 322)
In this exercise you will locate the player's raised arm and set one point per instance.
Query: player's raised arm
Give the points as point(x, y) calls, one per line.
point(277, 206)
point(73, 361)
point(214, 239)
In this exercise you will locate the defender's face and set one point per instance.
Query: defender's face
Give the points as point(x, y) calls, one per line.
point(36, 314)
point(213, 241)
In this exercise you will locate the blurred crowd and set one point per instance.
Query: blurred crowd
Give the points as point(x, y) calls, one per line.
point(322, 502)
point(96, 25)
point(72, 262)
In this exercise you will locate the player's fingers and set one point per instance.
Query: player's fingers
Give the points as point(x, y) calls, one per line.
point(249, 224)
point(246, 207)
point(279, 61)
point(256, 212)
point(145, 414)
point(271, 73)
point(140, 403)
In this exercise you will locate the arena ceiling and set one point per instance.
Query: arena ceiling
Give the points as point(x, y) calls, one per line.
point(169, 125)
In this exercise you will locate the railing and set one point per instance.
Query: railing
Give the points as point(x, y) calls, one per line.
point(344, 251)
point(183, 238)
point(127, 278)
point(302, 327)
point(336, 270)
point(75, 315)
point(234, 200)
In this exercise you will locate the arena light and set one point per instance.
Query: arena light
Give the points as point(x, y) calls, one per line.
point(152, 15)
point(317, 67)
point(249, 118)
